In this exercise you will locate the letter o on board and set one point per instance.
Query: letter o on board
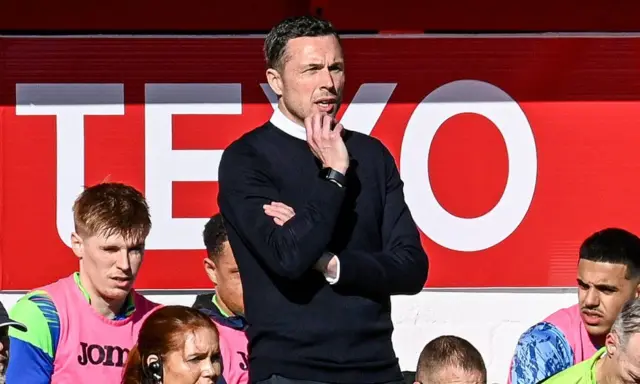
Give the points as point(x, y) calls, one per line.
point(447, 230)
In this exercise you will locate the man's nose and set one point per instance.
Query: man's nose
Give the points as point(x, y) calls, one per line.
point(327, 79)
point(123, 260)
point(592, 299)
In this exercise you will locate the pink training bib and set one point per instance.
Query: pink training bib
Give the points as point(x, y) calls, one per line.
point(92, 348)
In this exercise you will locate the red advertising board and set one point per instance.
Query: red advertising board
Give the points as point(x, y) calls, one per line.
point(512, 150)
point(145, 16)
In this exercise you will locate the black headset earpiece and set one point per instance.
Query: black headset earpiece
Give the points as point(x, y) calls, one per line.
point(155, 369)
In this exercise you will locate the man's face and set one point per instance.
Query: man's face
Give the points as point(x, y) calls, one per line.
point(4, 350)
point(603, 288)
point(109, 264)
point(311, 77)
point(455, 375)
point(627, 359)
point(224, 273)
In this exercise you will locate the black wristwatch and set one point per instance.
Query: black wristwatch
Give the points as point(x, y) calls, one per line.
point(334, 176)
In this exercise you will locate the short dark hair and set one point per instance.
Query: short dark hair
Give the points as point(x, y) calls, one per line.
point(301, 26)
point(214, 235)
point(447, 351)
point(615, 246)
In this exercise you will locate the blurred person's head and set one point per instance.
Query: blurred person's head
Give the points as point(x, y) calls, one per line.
point(305, 67)
point(450, 360)
point(112, 222)
point(608, 276)
point(221, 267)
point(5, 323)
point(621, 362)
point(176, 345)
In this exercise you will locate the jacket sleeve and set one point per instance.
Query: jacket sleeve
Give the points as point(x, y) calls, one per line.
point(32, 352)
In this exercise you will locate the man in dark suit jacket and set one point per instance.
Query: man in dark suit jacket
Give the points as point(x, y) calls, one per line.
point(317, 287)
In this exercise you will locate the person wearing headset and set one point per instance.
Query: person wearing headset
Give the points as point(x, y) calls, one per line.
point(176, 345)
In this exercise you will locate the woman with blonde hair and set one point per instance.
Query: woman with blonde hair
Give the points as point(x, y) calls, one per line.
point(176, 345)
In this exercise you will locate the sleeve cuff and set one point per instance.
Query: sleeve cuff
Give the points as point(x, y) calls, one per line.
point(323, 262)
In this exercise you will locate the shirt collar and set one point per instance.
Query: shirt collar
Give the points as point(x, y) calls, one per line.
point(288, 126)
point(127, 309)
point(214, 299)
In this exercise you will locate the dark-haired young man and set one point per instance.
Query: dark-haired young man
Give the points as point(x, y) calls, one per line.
point(317, 288)
point(618, 361)
point(608, 276)
point(225, 306)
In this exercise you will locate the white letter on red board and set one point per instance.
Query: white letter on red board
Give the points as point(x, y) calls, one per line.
point(469, 234)
point(164, 165)
point(70, 103)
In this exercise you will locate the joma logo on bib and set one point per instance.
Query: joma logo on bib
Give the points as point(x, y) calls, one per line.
point(107, 355)
point(244, 364)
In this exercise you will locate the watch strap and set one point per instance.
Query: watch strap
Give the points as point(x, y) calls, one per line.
point(335, 177)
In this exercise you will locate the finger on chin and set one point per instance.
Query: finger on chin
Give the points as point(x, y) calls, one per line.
point(308, 127)
point(338, 130)
point(327, 122)
point(317, 120)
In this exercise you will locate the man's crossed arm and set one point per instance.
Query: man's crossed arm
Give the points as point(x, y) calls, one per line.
point(328, 264)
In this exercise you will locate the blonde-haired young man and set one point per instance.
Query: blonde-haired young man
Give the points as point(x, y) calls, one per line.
point(81, 327)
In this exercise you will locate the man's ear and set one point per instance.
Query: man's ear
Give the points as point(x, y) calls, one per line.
point(77, 245)
point(275, 81)
point(211, 269)
point(612, 342)
point(637, 293)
